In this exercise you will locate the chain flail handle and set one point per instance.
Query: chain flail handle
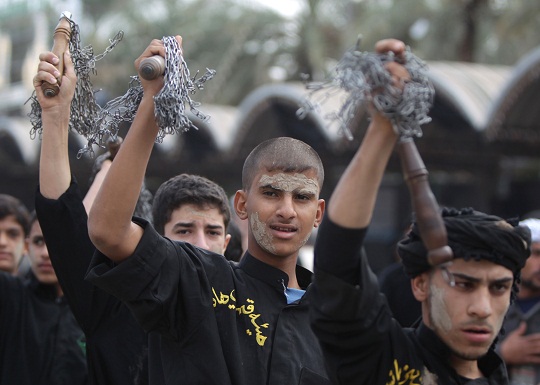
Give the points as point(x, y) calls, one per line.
point(424, 204)
point(152, 67)
point(62, 35)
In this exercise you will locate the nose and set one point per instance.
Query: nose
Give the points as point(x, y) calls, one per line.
point(199, 239)
point(481, 306)
point(286, 207)
point(3, 238)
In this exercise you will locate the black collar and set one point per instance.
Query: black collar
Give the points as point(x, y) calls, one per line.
point(271, 275)
point(47, 292)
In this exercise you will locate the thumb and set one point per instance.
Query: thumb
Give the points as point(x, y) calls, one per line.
point(69, 69)
point(521, 329)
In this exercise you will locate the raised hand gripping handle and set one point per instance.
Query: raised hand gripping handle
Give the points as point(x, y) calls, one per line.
point(152, 67)
point(428, 217)
point(62, 35)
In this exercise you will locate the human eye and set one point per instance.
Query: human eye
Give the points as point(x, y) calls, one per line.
point(182, 231)
point(38, 241)
point(464, 284)
point(270, 193)
point(303, 197)
point(500, 287)
point(14, 234)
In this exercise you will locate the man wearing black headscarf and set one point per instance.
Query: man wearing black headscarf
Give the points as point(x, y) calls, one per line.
point(463, 301)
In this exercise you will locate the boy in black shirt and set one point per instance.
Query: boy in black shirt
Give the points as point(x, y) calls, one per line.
point(221, 322)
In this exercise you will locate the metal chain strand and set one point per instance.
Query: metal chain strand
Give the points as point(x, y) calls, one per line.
point(170, 103)
point(365, 79)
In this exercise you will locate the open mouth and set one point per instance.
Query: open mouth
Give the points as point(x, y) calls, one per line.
point(283, 229)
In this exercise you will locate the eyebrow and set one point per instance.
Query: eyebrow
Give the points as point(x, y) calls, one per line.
point(191, 224)
point(478, 280)
point(299, 190)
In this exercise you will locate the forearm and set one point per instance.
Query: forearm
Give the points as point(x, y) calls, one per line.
point(54, 169)
point(353, 200)
point(91, 194)
point(109, 223)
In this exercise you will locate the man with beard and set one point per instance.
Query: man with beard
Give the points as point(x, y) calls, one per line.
point(463, 301)
point(520, 348)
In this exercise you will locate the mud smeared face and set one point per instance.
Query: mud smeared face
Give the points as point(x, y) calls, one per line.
point(283, 209)
point(467, 306)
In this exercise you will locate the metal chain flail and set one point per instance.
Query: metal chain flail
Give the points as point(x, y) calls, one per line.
point(170, 102)
point(98, 125)
point(365, 79)
point(85, 110)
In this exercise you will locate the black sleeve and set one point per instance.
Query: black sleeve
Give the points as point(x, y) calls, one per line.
point(64, 225)
point(348, 314)
point(338, 250)
point(164, 283)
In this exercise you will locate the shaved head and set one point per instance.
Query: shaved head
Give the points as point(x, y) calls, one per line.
point(281, 154)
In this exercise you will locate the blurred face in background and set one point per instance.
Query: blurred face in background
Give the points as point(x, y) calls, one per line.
point(12, 245)
point(530, 274)
point(39, 256)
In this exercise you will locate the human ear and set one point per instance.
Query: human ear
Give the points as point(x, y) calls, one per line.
point(240, 199)
point(420, 287)
point(321, 204)
point(226, 243)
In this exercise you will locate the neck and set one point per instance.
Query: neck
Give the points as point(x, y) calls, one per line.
point(466, 368)
point(285, 264)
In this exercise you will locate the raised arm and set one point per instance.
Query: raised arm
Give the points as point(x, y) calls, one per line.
point(353, 200)
point(54, 170)
point(109, 222)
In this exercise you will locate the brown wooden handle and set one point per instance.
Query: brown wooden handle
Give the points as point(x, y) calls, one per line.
point(152, 67)
point(428, 217)
point(62, 34)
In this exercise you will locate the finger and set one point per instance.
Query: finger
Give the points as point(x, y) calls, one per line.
point(45, 76)
point(399, 74)
point(156, 47)
point(387, 45)
point(179, 40)
point(49, 57)
point(533, 359)
point(521, 329)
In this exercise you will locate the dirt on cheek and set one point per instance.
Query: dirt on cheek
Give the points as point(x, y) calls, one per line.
point(261, 234)
point(439, 310)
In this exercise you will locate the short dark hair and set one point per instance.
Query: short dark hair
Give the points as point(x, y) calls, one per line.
point(9, 205)
point(283, 154)
point(188, 189)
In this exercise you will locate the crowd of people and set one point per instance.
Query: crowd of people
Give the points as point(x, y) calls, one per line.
point(202, 289)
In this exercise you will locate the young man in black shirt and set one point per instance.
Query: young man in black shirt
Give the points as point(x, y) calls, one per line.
point(40, 340)
point(220, 322)
point(463, 302)
point(186, 207)
point(14, 219)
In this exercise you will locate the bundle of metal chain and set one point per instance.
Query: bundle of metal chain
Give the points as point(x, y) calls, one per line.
point(364, 78)
point(101, 124)
point(170, 102)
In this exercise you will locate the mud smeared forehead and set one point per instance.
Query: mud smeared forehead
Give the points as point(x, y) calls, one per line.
point(291, 183)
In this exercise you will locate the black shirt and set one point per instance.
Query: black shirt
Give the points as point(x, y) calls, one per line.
point(40, 341)
point(116, 344)
point(221, 322)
